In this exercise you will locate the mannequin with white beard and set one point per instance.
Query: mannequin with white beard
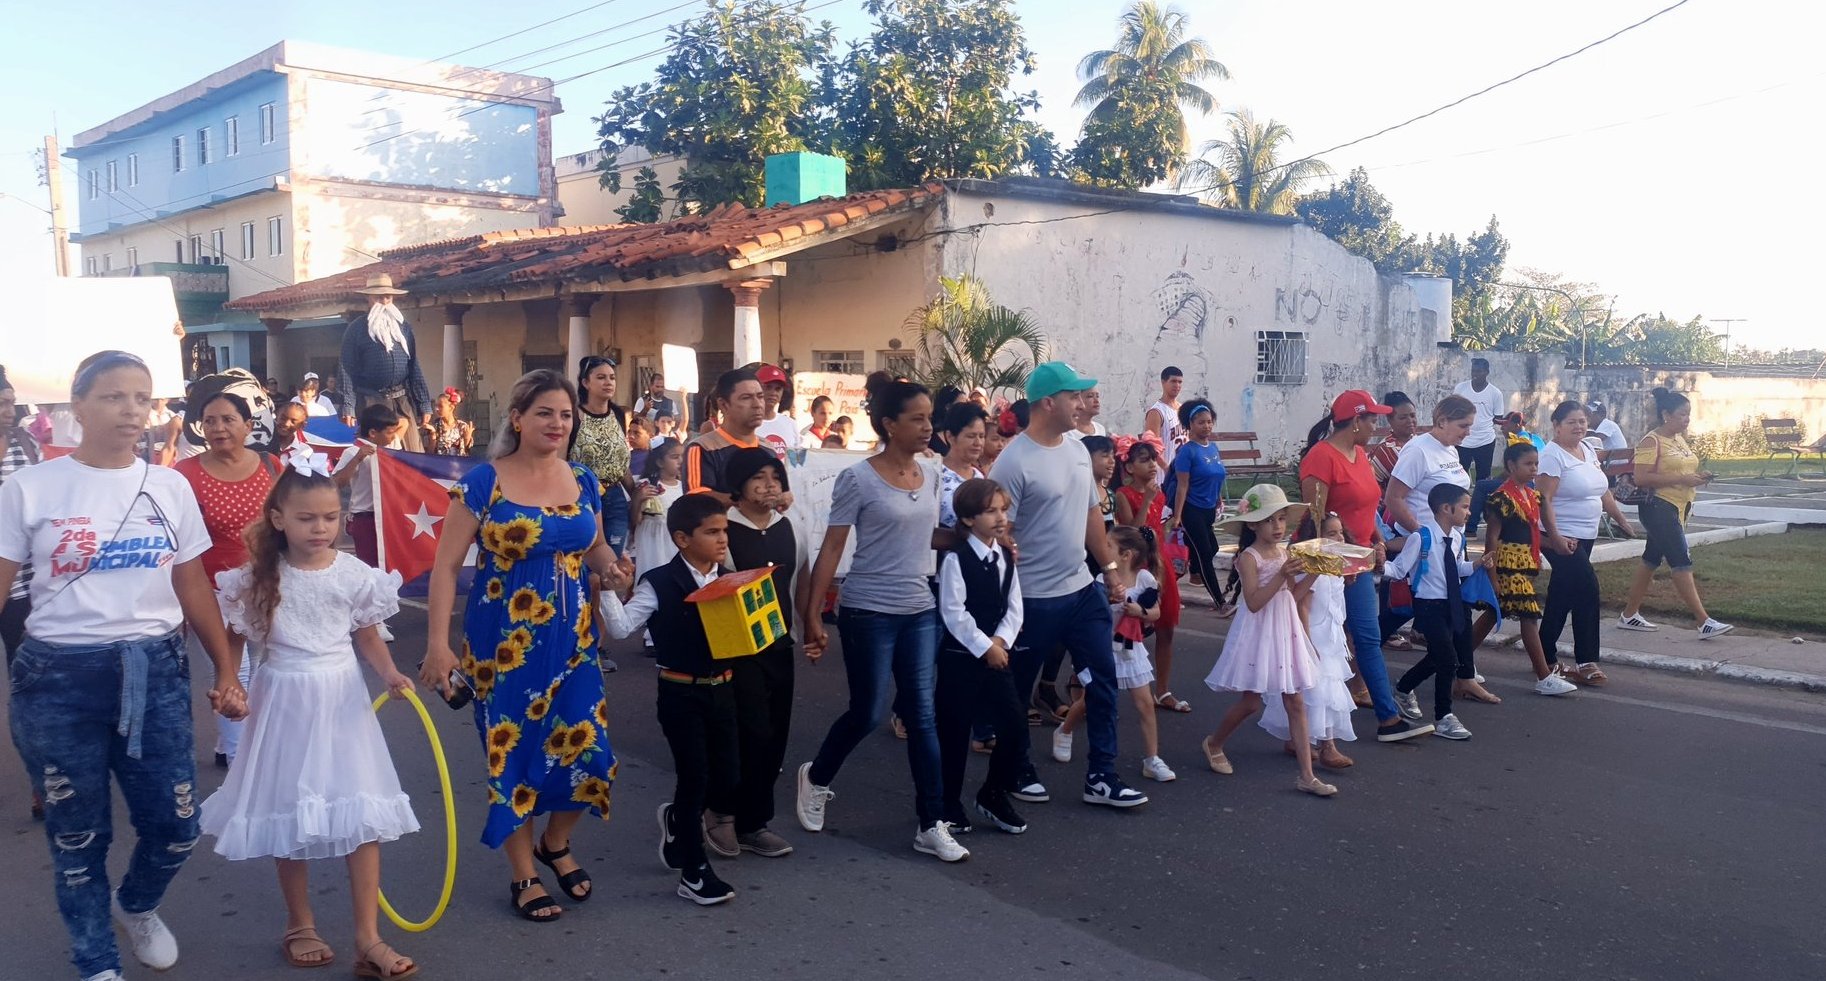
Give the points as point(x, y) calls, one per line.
point(380, 363)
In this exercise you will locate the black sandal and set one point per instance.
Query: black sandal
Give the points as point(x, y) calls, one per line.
point(567, 881)
point(533, 907)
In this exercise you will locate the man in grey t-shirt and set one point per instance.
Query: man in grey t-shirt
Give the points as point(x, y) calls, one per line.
point(1057, 512)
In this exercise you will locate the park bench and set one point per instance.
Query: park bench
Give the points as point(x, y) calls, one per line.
point(1243, 462)
point(1785, 438)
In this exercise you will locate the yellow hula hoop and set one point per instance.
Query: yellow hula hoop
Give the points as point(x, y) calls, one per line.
point(450, 824)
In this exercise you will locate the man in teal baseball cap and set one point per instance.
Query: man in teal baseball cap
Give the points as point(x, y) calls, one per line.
point(1052, 377)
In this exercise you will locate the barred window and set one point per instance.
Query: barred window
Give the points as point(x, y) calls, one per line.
point(897, 363)
point(1280, 357)
point(839, 362)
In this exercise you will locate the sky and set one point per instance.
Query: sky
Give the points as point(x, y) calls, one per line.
point(1646, 166)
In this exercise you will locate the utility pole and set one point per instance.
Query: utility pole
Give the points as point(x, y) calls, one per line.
point(1728, 321)
point(53, 178)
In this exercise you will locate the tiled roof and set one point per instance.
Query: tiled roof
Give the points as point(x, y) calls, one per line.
point(730, 235)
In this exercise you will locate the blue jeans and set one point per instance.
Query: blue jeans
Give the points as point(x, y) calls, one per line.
point(1362, 619)
point(79, 713)
point(1081, 622)
point(879, 648)
point(615, 518)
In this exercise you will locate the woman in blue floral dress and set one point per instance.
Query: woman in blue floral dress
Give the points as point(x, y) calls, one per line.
point(528, 648)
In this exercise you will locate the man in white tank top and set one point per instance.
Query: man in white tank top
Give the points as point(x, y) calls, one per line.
point(1162, 418)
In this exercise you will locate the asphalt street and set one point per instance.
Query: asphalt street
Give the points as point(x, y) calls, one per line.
point(1668, 827)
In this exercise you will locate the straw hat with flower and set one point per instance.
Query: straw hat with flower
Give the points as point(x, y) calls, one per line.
point(1259, 503)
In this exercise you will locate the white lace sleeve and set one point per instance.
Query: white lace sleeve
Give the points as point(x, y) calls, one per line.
point(234, 590)
point(376, 597)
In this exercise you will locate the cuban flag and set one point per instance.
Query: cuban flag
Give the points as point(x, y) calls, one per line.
point(411, 497)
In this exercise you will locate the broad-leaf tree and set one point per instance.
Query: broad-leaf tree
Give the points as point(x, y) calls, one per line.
point(647, 205)
point(742, 81)
point(964, 338)
point(1357, 216)
point(929, 94)
point(1245, 170)
point(1138, 93)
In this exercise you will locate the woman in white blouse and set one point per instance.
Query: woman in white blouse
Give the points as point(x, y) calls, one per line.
point(1575, 494)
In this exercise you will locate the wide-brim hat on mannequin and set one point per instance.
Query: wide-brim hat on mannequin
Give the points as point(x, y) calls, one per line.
point(381, 285)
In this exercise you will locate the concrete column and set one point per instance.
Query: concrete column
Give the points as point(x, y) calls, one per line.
point(577, 345)
point(275, 352)
point(747, 342)
point(453, 347)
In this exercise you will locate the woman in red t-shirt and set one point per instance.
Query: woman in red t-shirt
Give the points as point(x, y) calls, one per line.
point(1336, 477)
point(231, 481)
point(1140, 504)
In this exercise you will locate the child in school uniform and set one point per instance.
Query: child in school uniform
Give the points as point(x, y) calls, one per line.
point(696, 703)
point(1434, 562)
point(979, 599)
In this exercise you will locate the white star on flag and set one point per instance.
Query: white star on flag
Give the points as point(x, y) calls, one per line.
point(424, 522)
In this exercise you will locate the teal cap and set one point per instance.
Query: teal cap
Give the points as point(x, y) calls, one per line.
point(1053, 377)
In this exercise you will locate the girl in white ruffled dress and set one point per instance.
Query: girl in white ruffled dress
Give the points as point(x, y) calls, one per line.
point(313, 778)
point(1328, 704)
point(1267, 650)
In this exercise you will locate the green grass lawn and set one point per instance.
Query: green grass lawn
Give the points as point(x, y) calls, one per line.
point(1769, 583)
point(1750, 466)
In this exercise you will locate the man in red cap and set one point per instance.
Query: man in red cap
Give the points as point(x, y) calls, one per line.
point(778, 431)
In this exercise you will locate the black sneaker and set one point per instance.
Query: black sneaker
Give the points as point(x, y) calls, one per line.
point(669, 845)
point(1028, 787)
point(701, 886)
point(1109, 790)
point(959, 822)
point(1000, 813)
point(1399, 730)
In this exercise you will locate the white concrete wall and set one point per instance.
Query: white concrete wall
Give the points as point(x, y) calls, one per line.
point(586, 202)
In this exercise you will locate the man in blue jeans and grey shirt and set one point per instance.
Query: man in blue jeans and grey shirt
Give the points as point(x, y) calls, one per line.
point(1056, 510)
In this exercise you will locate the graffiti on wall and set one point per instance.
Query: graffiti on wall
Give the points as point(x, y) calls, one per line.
point(1186, 310)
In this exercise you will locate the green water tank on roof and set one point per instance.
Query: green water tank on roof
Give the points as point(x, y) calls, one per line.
point(795, 178)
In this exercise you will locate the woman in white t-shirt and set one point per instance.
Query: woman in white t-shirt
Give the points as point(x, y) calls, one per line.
point(1575, 495)
point(100, 683)
point(1428, 460)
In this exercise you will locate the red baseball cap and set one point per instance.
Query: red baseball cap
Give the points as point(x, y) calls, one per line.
point(769, 374)
point(1356, 402)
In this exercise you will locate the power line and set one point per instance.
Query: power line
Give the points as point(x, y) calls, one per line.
point(1458, 101)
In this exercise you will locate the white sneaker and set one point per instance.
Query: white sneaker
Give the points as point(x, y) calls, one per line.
point(1713, 629)
point(1155, 768)
point(1409, 704)
point(152, 943)
point(1637, 622)
point(1450, 728)
point(937, 842)
point(1553, 684)
point(811, 800)
point(1061, 745)
point(106, 976)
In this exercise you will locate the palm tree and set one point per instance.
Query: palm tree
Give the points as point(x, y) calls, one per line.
point(963, 338)
point(1152, 54)
point(1247, 173)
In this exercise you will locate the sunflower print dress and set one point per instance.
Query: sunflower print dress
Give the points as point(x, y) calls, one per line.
point(1516, 565)
point(530, 651)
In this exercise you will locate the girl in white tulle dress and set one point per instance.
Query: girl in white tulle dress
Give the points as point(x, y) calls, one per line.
point(313, 778)
point(1328, 704)
point(1267, 650)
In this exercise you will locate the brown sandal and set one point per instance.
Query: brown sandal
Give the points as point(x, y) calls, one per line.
point(1477, 693)
point(305, 937)
point(1591, 674)
point(369, 966)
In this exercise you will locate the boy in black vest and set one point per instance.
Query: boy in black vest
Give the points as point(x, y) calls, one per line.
point(979, 598)
point(696, 701)
point(760, 536)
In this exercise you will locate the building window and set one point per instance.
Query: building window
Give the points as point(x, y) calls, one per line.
point(275, 236)
point(840, 362)
point(1280, 357)
point(178, 247)
point(107, 262)
point(269, 130)
point(177, 154)
point(217, 247)
point(113, 176)
point(132, 258)
point(896, 363)
point(247, 240)
point(203, 147)
point(91, 264)
point(196, 249)
point(132, 170)
point(94, 185)
point(231, 130)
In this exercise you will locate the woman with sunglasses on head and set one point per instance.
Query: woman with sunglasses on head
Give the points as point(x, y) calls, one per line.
point(101, 685)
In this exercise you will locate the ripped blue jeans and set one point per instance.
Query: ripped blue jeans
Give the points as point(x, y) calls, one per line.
point(79, 713)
